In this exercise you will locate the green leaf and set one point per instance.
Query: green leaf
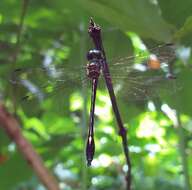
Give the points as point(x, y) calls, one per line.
point(138, 16)
point(180, 100)
point(4, 140)
point(11, 168)
point(184, 33)
point(176, 12)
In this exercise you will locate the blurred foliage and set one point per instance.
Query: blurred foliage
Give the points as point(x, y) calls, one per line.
point(40, 33)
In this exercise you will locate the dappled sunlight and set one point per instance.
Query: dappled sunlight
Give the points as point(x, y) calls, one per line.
point(137, 42)
point(151, 164)
point(108, 130)
point(1, 18)
point(76, 102)
point(103, 113)
point(171, 114)
point(103, 140)
point(103, 160)
point(103, 107)
point(38, 126)
point(11, 147)
point(149, 128)
point(152, 149)
point(151, 106)
point(64, 173)
point(165, 122)
point(102, 180)
point(135, 149)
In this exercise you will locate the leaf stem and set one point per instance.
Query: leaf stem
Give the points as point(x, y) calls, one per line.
point(16, 52)
point(182, 149)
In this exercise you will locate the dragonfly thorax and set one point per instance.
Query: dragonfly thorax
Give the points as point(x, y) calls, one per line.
point(94, 57)
point(93, 70)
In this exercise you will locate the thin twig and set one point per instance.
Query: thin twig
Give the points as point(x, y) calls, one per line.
point(95, 33)
point(11, 127)
point(182, 149)
point(174, 116)
point(16, 52)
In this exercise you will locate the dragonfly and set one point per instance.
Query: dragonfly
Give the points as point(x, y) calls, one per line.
point(97, 64)
point(141, 75)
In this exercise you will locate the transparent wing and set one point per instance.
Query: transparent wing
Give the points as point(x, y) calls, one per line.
point(41, 83)
point(132, 76)
point(36, 90)
point(163, 54)
point(146, 75)
point(139, 85)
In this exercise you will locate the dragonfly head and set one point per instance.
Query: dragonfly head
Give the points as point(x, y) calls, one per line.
point(94, 54)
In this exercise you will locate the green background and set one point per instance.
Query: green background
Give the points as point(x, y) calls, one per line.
point(160, 149)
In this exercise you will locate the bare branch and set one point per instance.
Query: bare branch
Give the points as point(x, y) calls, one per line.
point(11, 127)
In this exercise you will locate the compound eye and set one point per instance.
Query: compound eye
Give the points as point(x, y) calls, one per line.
point(94, 54)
